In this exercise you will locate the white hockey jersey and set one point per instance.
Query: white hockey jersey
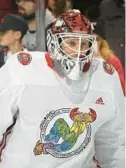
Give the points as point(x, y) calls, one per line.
point(60, 123)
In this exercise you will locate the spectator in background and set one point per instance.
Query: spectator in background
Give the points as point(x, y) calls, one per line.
point(89, 8)
point(58, 7)
point(13, 28)
point(103, 50)
point(27, 9)
point(111, 26)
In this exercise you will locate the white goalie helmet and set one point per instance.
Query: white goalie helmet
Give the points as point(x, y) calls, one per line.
point(70, 42)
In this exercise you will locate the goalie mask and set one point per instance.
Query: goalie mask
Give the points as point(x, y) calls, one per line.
point(70, 42)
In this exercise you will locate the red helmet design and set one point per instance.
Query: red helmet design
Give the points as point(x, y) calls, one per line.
point(73, 22)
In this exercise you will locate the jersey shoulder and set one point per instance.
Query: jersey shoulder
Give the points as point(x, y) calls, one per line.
point(105, 76)
point(106, 68)
point(29, 67)
point(25, 58)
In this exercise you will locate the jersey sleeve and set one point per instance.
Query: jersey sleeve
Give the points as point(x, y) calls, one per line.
point(110, 140)
point(7, 100)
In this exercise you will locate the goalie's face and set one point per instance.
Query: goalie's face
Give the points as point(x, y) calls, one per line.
point(74, 52)
point(26, 8)
point(75, 47)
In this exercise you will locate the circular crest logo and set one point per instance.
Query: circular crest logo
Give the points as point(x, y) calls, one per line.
point(24, 58)
point(65, 132)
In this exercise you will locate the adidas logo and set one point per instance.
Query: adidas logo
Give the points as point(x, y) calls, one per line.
point(99, 101)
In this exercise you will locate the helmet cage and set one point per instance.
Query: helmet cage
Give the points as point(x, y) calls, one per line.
point(54, 44)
